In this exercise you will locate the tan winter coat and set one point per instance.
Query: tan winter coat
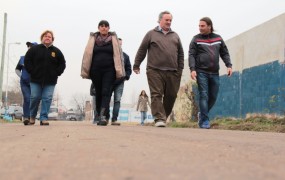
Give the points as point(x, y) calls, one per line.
point(142, 104)
point(88, 54)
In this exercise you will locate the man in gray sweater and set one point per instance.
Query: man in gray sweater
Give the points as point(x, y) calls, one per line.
point(165, 62)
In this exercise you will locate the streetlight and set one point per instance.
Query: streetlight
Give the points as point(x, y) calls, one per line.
point(6, 97)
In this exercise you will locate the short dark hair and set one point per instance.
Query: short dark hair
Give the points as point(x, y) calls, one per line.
point(30, 44)
point(104, 22)
point(208, 22)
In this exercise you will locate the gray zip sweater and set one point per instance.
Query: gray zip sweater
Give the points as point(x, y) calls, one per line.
point(165, 51)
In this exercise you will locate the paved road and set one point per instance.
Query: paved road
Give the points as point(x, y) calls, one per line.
point(80, 150)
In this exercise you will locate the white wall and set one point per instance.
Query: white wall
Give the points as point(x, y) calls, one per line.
point(259, 45)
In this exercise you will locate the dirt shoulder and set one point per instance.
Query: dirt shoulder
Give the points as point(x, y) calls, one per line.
point(81, 150)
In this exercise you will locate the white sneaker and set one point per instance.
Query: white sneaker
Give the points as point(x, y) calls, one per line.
point(160, 124)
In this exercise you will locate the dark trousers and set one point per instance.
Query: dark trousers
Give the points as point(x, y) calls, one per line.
point(103, 81)
point(163, 86)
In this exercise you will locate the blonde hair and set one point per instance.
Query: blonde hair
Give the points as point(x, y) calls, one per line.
point(46, 32)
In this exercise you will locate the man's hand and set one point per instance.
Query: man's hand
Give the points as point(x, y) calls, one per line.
point(193, 75)
point(230, 72)
point(137, 71)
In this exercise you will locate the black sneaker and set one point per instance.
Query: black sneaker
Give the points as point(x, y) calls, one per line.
point(96, 119)
point(102, 123)
point(26, 121)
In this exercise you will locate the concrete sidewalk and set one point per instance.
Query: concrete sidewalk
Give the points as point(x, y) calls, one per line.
point(81, 150)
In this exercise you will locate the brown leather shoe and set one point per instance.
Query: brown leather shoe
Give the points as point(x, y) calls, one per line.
point(115, 123)
point(44, 123)
point(28, 121)
point(32, 121)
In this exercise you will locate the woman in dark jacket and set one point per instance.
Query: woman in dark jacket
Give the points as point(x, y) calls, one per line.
point(102, 70)
point(25, 84)
point(44, 62)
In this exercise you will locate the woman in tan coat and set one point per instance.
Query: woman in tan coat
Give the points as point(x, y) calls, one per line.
point(142, 105)
point(103, 63)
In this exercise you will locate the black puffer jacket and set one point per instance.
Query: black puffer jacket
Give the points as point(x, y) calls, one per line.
point(204, 53)
point(128, 70)
point(44, 64)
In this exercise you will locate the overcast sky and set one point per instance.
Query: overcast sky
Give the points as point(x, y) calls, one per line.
point(73, 20)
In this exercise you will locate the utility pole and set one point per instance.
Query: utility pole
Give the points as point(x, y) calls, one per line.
point(7, 76)
point(3, 56)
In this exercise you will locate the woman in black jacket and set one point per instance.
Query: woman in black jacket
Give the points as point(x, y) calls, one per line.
point(45, 63)
point(102, 70)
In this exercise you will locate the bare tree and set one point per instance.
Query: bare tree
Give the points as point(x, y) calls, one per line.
point(79, 100)
point(14, 92)
point(16, 84)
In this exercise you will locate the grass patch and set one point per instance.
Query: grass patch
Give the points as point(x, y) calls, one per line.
point(256, 123)
point(188, 124)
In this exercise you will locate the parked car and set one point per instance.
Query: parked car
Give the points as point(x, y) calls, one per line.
point(15, 111)
point(52, 114)
point(72, 117)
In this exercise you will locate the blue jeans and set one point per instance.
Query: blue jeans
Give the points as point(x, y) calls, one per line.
point(143, 117)
point(40, 93)
point(26, 91)
point(118, 92)
point(208, 86)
